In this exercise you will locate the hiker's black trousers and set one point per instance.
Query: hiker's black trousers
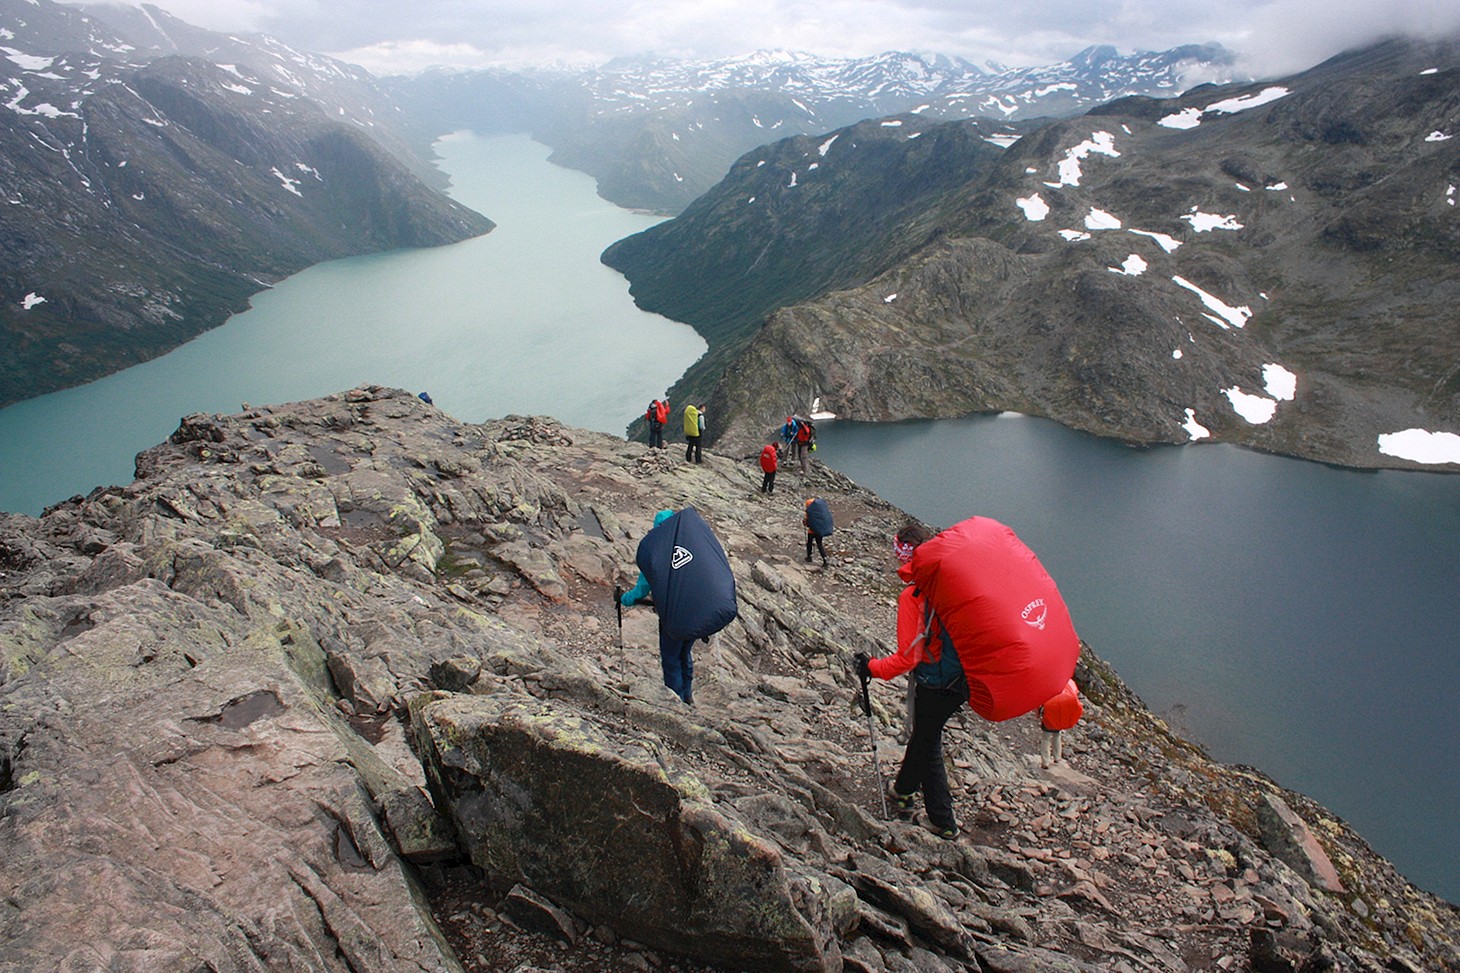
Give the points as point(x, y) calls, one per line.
point(922, 763)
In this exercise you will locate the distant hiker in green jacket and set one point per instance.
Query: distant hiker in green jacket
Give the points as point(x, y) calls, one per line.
point(694, 429)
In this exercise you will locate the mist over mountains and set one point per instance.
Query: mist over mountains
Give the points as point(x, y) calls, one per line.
point(657, 133)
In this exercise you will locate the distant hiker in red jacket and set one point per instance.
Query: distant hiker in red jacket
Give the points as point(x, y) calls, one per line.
point(805, 443)
point(770, 459)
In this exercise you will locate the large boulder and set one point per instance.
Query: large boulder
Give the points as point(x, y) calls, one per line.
point(606, 827)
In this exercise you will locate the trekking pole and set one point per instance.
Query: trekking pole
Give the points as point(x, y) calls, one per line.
point(872, 732)
point(618, 607)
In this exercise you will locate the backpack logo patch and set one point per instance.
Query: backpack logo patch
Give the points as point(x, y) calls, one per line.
point(1035, 613)
point(679, 558)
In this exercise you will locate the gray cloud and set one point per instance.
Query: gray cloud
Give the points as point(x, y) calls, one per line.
point(1277, 36)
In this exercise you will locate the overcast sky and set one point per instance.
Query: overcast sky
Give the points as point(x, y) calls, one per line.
point(391, 36)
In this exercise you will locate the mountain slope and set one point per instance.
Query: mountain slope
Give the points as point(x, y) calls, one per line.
point(657, 133)
point(146, 198)
point(794, 220)
point(226, 688)
point(1270, 265)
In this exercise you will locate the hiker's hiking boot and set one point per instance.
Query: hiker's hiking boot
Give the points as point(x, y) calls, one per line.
point(946, 832)
point(903, 804)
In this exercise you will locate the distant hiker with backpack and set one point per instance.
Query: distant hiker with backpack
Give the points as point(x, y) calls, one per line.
point(799, 435)
point(770, 459)
point(684, 568)
point(805, 444)
point(656, 416)
point(940, 689)
point(818, 523)
point(694, 429)
point(1059, 714)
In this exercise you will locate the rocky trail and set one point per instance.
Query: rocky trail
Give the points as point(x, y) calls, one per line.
point(339, 685)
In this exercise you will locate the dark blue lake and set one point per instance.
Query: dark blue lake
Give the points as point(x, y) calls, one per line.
point(1288, 615)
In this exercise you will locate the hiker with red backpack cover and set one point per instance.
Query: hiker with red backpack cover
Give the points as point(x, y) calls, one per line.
point(656, 416)
point(980, 621)
point(1059, 714)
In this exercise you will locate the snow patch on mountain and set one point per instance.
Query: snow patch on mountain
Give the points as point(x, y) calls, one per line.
point(1191, 117)
point(1226, 314)
point(1194, 429)
point(1034, 207)
point(1069, 167)
point(1256, 409)
point(1280, 383)
point(1163, 240)
point(1203, 222)
point(1421, 446)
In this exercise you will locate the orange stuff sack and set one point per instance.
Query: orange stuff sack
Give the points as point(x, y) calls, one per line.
point(1064, 710)
point(1004, 614)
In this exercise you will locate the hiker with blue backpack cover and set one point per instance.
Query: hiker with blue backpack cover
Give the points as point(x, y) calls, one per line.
point(818, 523)
point(684, 569)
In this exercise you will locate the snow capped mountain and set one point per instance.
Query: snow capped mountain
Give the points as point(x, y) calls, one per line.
point(657, 132)
point(1270, 264)
point(898, 81)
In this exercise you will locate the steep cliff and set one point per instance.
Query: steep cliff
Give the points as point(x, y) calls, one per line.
point(339, 685)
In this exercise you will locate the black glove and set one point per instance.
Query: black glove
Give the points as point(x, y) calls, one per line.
point(864, 666)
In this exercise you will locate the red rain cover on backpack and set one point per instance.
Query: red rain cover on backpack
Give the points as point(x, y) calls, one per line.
point(1007, 620)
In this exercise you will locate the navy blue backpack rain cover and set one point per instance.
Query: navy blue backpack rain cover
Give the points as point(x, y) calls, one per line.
point(818, 518)
point(689, 575)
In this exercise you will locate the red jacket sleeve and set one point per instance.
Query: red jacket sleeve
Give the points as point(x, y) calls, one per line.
point(910, 649)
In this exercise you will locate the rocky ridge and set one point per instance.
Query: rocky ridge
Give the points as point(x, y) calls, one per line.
point(338, 685)
point(1269, 265)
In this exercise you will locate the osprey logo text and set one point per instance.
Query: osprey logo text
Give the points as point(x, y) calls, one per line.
point(679, 558)
point(1035, 613)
